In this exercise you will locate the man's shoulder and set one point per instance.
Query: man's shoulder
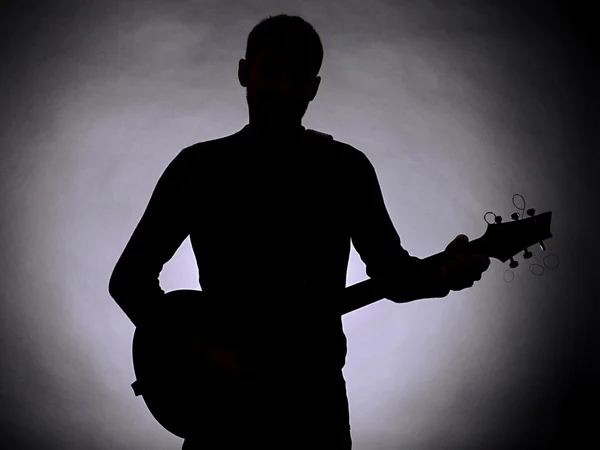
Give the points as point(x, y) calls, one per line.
point(340, 149)
point(208, 147)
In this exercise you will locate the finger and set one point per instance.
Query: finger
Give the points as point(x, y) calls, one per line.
point(476, 263)
point(474, 269)
point(461, 273)
point(482, 261)
point(458, 244)
point(462, 263)
point(458, 284)
point(462, 239)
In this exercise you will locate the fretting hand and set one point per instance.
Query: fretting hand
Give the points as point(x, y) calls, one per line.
point(459, 271)
point(462, 268)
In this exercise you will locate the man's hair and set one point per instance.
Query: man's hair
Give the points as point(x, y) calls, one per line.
point(289, 34)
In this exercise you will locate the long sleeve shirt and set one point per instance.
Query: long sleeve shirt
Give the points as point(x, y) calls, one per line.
point(265, 220)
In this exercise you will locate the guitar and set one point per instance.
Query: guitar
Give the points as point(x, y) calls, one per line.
point(194, 373)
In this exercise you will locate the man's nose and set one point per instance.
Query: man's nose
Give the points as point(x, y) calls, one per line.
point(284, 85)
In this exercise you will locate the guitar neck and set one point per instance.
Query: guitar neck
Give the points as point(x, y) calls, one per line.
point(369, 291)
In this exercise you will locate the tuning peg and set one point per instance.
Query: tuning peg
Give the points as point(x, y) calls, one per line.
point(542, 246)
point(513, 263)
point(498, 219)
point(514, 216)
point(531, 212)
point(527, 254)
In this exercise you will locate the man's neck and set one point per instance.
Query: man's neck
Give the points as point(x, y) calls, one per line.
point(273, 132)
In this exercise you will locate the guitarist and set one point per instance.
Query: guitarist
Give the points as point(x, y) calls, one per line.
point(270, 211)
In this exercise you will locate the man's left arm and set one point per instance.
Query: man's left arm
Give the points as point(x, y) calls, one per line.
point(134, 283)
point(405, 278)
point(376, 240)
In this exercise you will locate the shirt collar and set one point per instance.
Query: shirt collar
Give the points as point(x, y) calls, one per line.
point(292, 137)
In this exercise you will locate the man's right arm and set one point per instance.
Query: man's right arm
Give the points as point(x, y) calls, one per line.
point(134, 283)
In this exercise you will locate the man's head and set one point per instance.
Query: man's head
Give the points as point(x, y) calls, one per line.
point(283, 57)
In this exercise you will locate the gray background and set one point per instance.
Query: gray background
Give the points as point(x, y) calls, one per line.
point(459, 106)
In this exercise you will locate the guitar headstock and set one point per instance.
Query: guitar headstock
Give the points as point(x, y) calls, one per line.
point(504, 240)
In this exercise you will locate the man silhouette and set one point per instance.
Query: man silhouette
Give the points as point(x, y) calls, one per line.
point(271, 211)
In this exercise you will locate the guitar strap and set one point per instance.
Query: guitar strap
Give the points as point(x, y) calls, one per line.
point(319, 134)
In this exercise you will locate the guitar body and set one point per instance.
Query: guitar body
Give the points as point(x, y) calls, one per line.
point(189, 375)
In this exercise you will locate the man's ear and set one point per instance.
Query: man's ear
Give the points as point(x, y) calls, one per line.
point(315, 88)
point(243, 69)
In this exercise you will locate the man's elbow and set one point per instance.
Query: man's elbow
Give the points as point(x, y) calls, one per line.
point(120, 291)
point(116, 285)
